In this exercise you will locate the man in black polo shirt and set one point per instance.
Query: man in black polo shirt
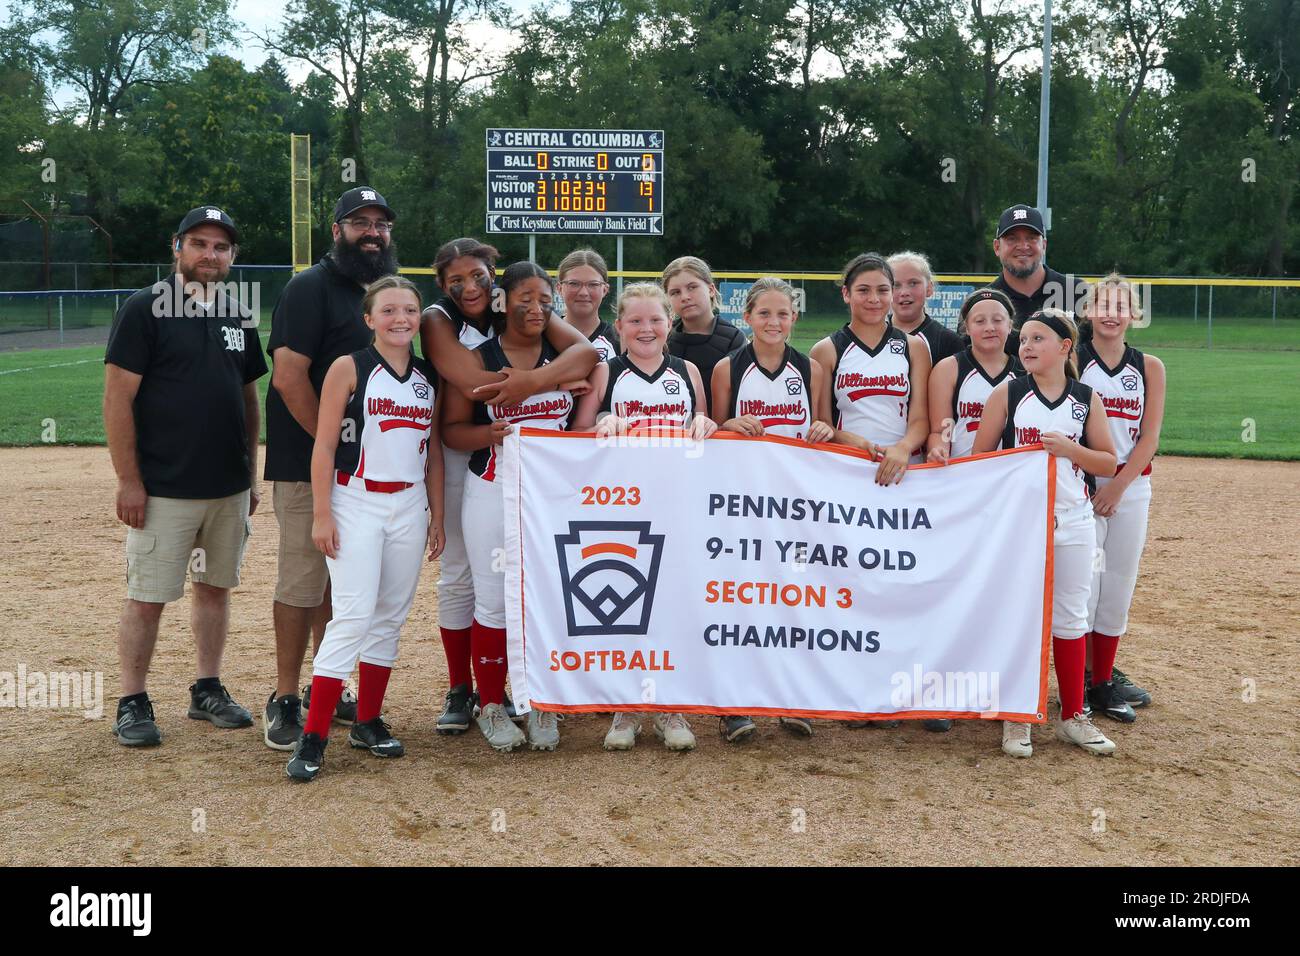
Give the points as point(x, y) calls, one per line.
point(913, 285)
point(316, 320)
point(180, 411)
point(1021, 247)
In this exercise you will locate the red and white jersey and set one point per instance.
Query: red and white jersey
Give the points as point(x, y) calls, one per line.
point(550, 410)
point(1030, 416)
point(1123, 392)
point(467, 333)
point(781, 400)
point(606, 341)
point(969, 397)
point(665, 398)
point(871, 388)
point(386, 423)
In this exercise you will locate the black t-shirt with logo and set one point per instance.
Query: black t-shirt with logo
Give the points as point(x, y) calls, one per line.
point(1057, 292)
point(194, 361)
point(318, 315)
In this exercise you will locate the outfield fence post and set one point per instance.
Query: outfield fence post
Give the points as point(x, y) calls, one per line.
point(1275, 305)
point(60, 320)
point(1196, 303)
point(1209, 321)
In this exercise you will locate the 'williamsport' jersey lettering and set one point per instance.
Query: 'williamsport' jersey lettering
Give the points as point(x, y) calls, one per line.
point(549, 410)
point(781, 400)
point(969, 397)
point(1123, 392)
point(1030, 416)
point(389, 417)
point(665, 398)
point(871, 388)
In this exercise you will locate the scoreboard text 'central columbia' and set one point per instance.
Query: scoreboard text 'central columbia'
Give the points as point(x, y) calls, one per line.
point(602, 182)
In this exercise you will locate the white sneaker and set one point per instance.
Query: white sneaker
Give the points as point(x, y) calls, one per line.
point(674, 731)
point(543, 730)
point(1081, 730)
point(1016, 739)
point(623, 731)
point(498, 729)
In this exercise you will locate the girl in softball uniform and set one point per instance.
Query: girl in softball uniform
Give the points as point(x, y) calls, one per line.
point(960, 384)
point(769, 388)
point(451, 328)
point(479, 428)
point(583, 279)
point(1132, 389)
point(376, 474)
point(879, 375)
point(647, 389)
point(1049, 405)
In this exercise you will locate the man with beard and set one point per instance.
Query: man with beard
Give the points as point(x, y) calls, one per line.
point(181, 415)
point(316, 320)
point(1021, 247)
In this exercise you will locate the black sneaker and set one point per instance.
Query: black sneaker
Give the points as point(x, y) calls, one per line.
point(345, 711)
point(1105, 699)
point(308, 756)
point(134, 726)
point(215, 704)
point(457, 710)
point(937, 725)
point(1131, 692)
point(735, 729)
point(373, 735)
point(282, 722)
point(509, 705)
point(800, 726)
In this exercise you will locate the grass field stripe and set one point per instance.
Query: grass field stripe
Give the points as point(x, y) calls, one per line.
point(37, 368)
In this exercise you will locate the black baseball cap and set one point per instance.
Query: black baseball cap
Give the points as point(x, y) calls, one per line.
point(1020, 215)
point(208, 215)
point(358, 198)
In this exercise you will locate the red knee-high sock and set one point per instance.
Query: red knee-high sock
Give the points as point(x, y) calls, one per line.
point(488, 647)
point(1103, 657)
point(455, 644)
point(1069, 674)
point(325, 694)
point(371, 684)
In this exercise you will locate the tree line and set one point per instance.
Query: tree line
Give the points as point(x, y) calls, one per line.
point(798, 132)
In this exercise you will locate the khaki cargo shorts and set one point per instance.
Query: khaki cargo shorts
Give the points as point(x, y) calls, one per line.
point(205, 536)
point(303, 574)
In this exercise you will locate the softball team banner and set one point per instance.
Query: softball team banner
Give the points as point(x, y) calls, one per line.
point(763, 576)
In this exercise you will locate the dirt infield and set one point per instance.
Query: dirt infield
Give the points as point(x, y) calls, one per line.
point(1204, 777)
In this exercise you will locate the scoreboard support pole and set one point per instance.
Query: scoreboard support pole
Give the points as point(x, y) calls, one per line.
point(618, 265)
point(532, 247)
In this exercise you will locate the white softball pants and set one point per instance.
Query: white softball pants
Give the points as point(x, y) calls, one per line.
point(1120, 539)
point(1073, 545)
point(483, 519)
point(382, 538)
point(456, 582)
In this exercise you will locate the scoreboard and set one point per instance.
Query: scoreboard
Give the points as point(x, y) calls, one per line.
point(602, 182)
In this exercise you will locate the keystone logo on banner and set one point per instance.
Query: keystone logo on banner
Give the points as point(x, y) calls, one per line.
point(609, 570)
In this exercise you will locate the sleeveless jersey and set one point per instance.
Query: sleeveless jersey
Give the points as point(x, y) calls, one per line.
point(467, 333)
point(781, 400)
point(871, 389)
point(544, 410)
point(968, 399)
point(665, 398)
point(606, 341)
point(1029, 416)
point(1123, 392)
point(390, 417)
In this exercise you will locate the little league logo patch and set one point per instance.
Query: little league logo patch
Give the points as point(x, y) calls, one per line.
point(1130, 383)
point(1078, 412)
point(421, 390)
point(898, 348)
point(793, 386)
point(672, 386)
point(608, 570)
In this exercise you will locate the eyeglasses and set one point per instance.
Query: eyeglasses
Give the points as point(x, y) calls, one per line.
point(573, 285)
point(381, 226)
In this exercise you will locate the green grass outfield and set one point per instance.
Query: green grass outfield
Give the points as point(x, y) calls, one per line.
point(1212, 393)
